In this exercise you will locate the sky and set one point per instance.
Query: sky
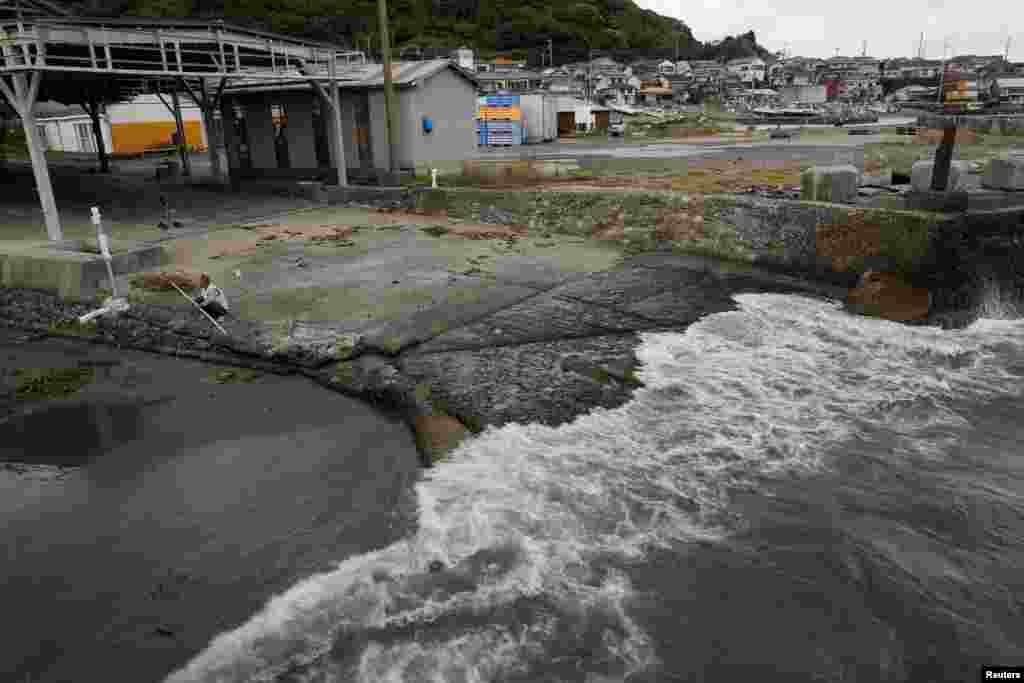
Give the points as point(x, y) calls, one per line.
point(891, 28)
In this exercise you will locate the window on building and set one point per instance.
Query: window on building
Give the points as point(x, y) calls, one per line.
point(86, 141)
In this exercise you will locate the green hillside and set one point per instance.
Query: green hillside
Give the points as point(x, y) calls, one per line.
point(573, 26)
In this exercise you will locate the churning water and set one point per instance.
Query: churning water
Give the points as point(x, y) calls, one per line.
point(531, 540)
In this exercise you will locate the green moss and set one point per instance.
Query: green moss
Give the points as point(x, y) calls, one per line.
point(435, 230)
point(631, 380)
point(344, 374)
point(73, 328)
point(600, 375)
point(235, 375)
point(421, 392)
point(36, 385)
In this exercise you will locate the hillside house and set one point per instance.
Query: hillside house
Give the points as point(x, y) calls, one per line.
point(751, 70)
point(517, 80)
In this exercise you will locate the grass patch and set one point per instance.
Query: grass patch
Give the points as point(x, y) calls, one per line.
point(37, 385)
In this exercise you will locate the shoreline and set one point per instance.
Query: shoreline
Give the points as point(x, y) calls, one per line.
point(564, 351)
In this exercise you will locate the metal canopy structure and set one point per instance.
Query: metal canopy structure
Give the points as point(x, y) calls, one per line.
point(46, 57)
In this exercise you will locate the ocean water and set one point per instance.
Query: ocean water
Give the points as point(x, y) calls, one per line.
point(796, 493)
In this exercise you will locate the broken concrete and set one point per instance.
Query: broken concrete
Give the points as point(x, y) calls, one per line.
point(1006, 173)
point(836, 184)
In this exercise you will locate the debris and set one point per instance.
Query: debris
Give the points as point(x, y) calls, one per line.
point(166, 281)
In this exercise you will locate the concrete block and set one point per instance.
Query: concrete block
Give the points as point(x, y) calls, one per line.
point(921, 176)
point(881, 179)
point(1006, 173)
point(837, 184)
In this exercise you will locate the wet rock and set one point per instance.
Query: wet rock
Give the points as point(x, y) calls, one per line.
point(491, 214)
point(885, 295)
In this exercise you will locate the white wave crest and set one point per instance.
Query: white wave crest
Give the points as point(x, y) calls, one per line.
point(524, 512)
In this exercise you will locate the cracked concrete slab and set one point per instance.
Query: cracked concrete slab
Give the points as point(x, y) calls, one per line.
point(540, 382)
point(542, 317)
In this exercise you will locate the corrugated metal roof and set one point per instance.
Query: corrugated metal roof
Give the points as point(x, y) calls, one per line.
point(404, 74)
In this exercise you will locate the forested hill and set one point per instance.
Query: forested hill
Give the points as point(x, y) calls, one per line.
point(573, 26)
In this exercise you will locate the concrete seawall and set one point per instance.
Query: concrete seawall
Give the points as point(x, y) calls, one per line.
point(557, 351)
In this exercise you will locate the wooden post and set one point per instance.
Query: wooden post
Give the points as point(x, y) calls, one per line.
point(944, 157)
point(21, 95)
point(390, 106)
point(186, 166)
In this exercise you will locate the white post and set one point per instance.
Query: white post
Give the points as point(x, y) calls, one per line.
point(433, 178)
point(104, 243)
point(22, 98)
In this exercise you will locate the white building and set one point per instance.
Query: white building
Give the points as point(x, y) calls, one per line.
point(144, 123)
point(464, 58)
point(667, 68)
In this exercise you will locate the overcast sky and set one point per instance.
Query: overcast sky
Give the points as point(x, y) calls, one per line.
point(892, 28)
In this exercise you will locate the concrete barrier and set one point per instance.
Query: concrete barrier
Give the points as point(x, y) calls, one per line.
point(921, 176)
point(837, 184)
point(70, 273)
point(1006, 173)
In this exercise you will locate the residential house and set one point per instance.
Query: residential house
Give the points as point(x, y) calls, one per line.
point(142, 124)
point(751, 70)
point(512, 80)
point(707, 72)
point(655, 91)
point(465, 58)
point(1007, 90)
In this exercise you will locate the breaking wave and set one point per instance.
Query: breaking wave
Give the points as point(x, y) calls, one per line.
point(511, 573)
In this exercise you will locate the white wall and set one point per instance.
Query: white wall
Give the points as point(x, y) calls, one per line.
point(62, 136)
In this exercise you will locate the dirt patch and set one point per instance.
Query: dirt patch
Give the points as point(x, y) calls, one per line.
point(677, 225)
point(885, 295)
point(438, 435)
point(165, 281)
point(472, 231)
point(933, 136)
point(848, 242)
point(612, 230)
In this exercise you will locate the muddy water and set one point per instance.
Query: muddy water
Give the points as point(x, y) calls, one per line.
point(158, 508)
point(796, 495)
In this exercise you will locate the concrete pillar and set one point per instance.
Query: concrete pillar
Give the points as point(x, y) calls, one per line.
point(231, 142)
point(944, 157)
point(261, 133)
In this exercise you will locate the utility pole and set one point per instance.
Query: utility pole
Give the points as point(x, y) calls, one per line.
point(390, 108)
point(920, 48)
point(942, 74)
